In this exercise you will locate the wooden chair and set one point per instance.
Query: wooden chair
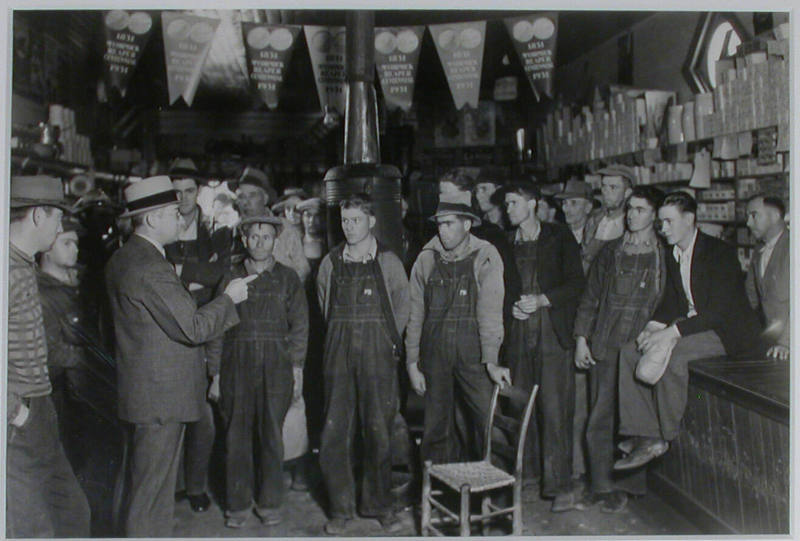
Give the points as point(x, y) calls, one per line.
point(482, 477)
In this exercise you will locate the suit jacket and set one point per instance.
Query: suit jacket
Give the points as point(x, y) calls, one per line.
point(771, 292)
point(159, 332)
point(560, 274)
point(720, 301)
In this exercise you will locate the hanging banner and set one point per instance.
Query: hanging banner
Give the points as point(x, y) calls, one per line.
point(396, 57)
point(534, 38)
point(187, 40)
point(460, 48)
point(326, 48)
point(126, 34)
point(269, 49)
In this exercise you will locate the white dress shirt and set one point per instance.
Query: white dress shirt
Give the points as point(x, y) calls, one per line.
point(684, 259)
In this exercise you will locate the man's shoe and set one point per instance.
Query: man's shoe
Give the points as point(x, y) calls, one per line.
point(199, 502)
point(646, 451)
point(269, 516)
point(391, 523)
point(336, 526)
point(589, 499)
point(565, 501)
point(613, 502)
point(236, 520)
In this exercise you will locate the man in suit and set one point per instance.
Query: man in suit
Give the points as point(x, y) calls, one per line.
point(704, 313)
point(159, 333)
point(539, 341)
point(767, 282)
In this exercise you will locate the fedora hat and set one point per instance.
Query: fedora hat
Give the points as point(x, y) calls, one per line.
point(148, 194)
point(182, 168)
point(619, 170)
point(37, 191)
point(285, 199)
point(574, 189)
point(459, 203)
point(257, 177)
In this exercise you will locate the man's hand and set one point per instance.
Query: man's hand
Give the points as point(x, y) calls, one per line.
point(659, 337)
point(297, 393)
point(650, 328)
point(237, 289)
point(499, 374)
point(22, 416)
point(213, 389)
point(417, 379)
point(583, 355)
point(194, 286)
point(778, 352)
point(517, 312)
point(528, 303)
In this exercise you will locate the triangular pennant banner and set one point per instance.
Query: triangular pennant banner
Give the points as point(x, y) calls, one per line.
point(396, 57)
point(187, 40)
point(460, 48)
point(534, 38)
point(126, 35)
point(269, 50)
point(326, 48)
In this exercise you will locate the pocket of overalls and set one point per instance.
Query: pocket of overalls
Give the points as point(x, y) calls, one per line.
point(624, 283)
point(366, 294)
point(438, 294)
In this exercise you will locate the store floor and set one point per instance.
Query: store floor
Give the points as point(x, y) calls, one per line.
point(304, 517)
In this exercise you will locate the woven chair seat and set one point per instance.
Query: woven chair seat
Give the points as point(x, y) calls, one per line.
point(479, 476)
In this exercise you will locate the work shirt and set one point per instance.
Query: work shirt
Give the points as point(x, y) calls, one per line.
point(27, 343)
point(488, 270)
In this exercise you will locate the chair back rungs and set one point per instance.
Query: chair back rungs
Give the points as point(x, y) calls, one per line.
point(505, 435)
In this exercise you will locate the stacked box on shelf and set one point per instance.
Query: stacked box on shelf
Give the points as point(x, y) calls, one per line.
point(716, 212)
point(719, 191)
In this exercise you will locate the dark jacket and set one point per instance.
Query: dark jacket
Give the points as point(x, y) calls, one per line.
point(159, 331)
point(560, 275)
point(770, 293)
point(717, 284)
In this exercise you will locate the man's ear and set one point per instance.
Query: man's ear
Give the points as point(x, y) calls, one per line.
point(372, 221)
point(467, 224)
point(36, 215)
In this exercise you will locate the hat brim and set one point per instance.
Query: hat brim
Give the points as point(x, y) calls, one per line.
point(24, 202)
point(573, 195)
point(131, 213)
point(475, 220)
point(277, 222)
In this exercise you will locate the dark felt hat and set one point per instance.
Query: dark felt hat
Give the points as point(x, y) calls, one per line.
point(459, 203)
point(37, 191)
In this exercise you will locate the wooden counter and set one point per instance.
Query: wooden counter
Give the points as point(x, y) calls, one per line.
point(728, 470)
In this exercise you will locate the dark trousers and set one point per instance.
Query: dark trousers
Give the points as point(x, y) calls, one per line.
point(198, 444)
point(258, 394)
point(154, 456)
point(442, 377)
point(43, 497)
point(361, 399)
point(656, 410)
point(600, 433)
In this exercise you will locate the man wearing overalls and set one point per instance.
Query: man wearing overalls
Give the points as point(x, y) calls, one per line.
point(455, 328)
point(363, 292)
point(539, 344)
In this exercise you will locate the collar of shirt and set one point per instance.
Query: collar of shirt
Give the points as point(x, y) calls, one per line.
point(457, 254)
point(371, 254)
point(677, 253)
point(21, 254)
point(528, 234)
point(187, 227)
point(155, 243)
point(251, 269)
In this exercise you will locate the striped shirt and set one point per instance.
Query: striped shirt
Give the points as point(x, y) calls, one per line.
point(27, 344)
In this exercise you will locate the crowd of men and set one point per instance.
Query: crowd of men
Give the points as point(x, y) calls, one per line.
point(601, 302)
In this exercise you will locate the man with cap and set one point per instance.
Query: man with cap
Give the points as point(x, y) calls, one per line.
point(608, 222)
point(363, 291)
point(43, 496)
point(577, 204)
point(201, 256)
point(539, 342)
point(455, 329)
point(253, 197)
point(490, 179)
point(159, 330)
point(261, 374)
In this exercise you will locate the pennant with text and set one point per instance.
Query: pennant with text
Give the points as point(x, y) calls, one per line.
point(534, 38)
point(396, 57)
point(126, 34)
point(326, 48)
point(187, 40)
point(269, 50)
point(460, 48)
